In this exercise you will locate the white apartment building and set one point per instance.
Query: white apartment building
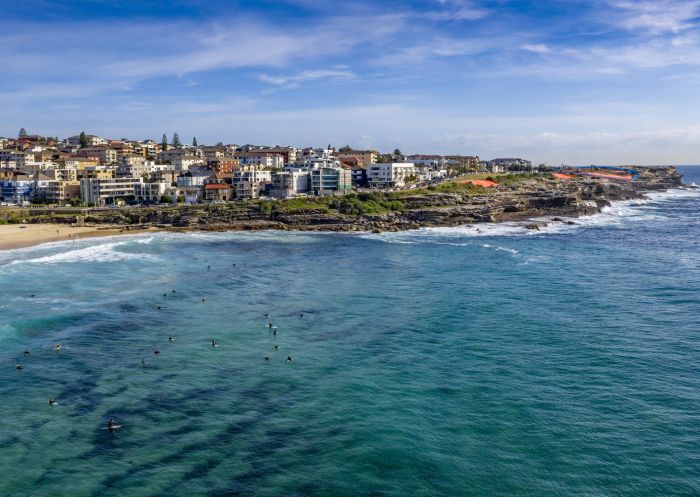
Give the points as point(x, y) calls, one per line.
point(290, 183)
point(150, 192)
point(184, 162)
point(92, 141)
point(96, 191)
point(390, 174)
point(248, 181)
point(266, 160)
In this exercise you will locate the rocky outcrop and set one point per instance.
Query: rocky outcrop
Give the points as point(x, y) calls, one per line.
point(525, 200)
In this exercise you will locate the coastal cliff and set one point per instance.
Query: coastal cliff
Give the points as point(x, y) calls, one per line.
point(517, 197)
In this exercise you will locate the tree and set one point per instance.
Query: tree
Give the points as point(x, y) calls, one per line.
point(83, 139)
point(176, 141)
point(164, 142)
point(194, 142)
point(346, 148)
point(166, 199)
point(22, 133)
point(397, 152)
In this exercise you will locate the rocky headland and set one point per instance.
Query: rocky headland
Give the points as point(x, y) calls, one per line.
point(516, 198)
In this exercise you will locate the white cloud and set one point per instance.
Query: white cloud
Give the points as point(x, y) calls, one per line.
point(658, 16)
point(458, 10)
point(304, 76)
point(540, 48)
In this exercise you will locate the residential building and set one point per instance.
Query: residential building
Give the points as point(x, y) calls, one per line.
point(390, 174)
point(190, 179)
point(17, 190)
point(249, 181)
point(330, 180)
point(363, 157)
point(105, 155)
point(217, 192)
point(92, 141)
point(512, 164)
point(62, 174)
point(62, 191)
point(290, 183)
point(150, 192)
point(263, 159)
point(359, 176)
point(95, 191)
point(184, 162)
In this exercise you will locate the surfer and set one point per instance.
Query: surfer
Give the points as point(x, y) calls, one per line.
point(52, 401)
point(159, 307)
point(171, 339)
point(214, 344)
point(289, 358)
point(301, 315)
point(156, 352)
point(277, 347)
point(25, 353)
point(143, 361)
point(267, 359)
point(58, 347)
point(111, 425)
point(19, 366)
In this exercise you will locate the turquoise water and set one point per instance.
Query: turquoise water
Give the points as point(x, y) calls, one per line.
point(439, 362)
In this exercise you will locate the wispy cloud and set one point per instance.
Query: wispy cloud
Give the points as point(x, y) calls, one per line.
point(659, 16)
point(458, 10)
point(294, 80)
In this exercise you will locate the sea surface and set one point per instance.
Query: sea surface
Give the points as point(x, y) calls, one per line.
point(489, 361)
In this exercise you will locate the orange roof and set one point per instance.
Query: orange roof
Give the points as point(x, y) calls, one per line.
point(563, 176)
point(216, 186)
point(484, 183)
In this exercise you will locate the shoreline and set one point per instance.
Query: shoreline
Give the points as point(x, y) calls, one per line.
point(31, 235)
point(17, 236)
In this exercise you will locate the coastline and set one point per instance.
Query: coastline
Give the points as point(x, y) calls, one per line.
point(16, 236)
point(528, 202)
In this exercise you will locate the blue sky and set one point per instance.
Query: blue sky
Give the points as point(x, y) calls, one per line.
point(596, 81)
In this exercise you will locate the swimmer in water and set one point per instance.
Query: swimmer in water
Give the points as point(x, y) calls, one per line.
point(156, 352)
point(25, 353)
point(267, 359)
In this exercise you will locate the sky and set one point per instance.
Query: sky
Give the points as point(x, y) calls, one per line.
point(559, 81)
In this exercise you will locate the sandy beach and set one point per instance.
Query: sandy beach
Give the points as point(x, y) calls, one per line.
point(14, 236)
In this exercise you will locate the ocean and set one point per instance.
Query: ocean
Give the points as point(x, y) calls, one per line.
point(490, 360)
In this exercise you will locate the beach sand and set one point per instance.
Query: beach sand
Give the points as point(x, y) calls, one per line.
point(14, 236)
